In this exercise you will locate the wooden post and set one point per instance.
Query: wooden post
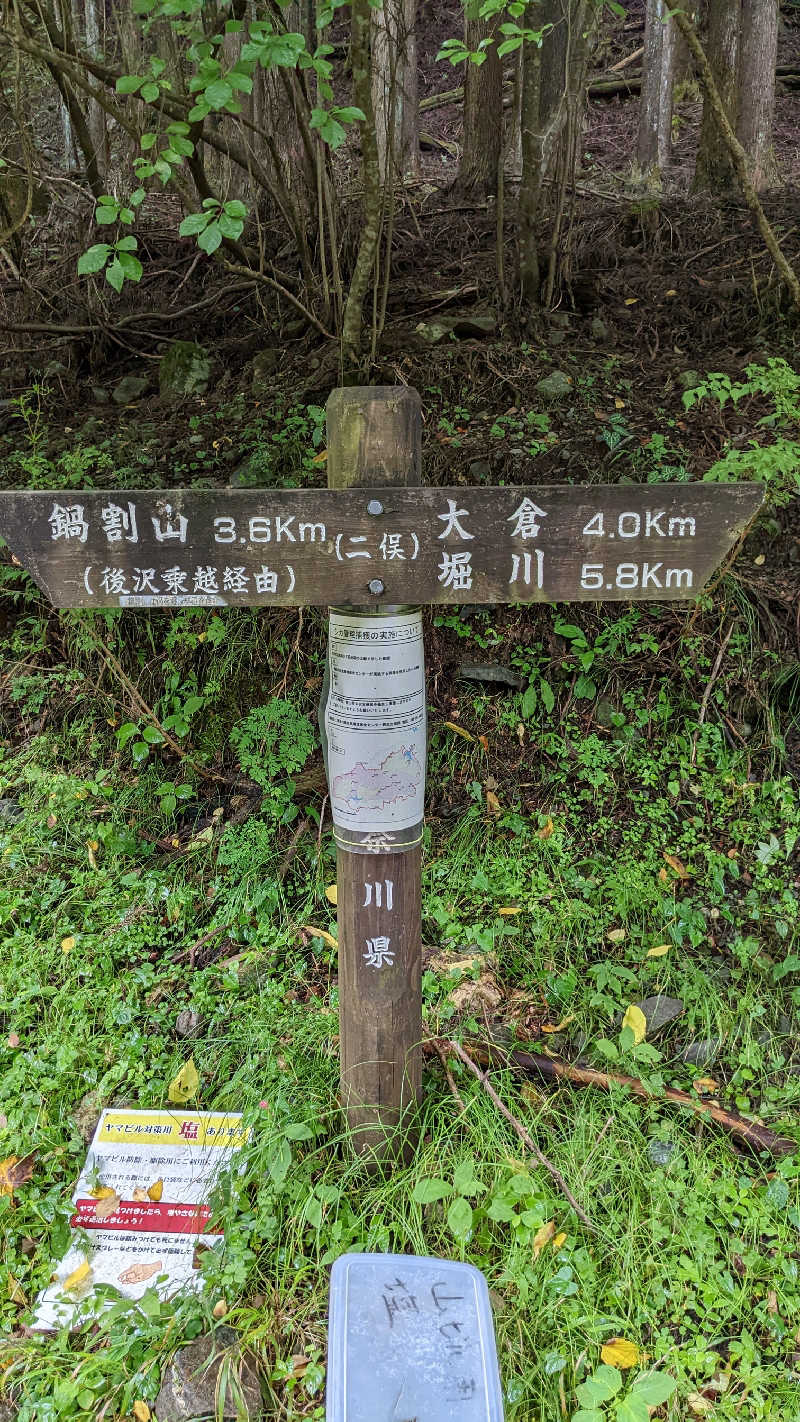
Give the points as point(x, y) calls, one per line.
point(374, 440)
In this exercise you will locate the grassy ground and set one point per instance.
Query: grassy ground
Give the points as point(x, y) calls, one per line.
point(601, 812)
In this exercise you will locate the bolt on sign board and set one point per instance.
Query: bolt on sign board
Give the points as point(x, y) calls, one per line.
point(410, 1339)
point(375, 548)
point(141, 1212)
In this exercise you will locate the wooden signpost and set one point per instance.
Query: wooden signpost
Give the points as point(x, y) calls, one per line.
point(374, 547)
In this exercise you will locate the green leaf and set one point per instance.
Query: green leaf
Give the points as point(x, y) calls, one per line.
point(464, 1182)
point(350, 114)
point(632, 1409)
point(218, 94)
point(279, 1164)
point(654, 1388)
point(127, 244)
point(593, 1415)
point(230, 227)
point(603, 1384)
point(182, 146)
point(150, 92)
point(131, 266)
point(459, 1217)
point(194, 223)
point(137, 198)
point(128, 83)
point(115, 276)
point(547, 695)
point(152, 736)
point(104, 216)
point(125, 732)
point(501, 1211)
point(93, 261)
point(426, 1192)
point(211, 238)
point(299, 1131)
point(168, 804)
point(235, 208)
point(530, 697)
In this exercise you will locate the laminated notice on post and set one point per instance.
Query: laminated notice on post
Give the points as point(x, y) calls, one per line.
point(141, 1214)
point(375, 725)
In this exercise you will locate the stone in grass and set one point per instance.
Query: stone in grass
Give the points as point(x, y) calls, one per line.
point(660, 1152)
point(129, 388)
point(184, 370)
point(10, 811)
point(189, 1385)
point(263, 371)
point(188, 1023)
point(555, 386)
point(659, 1012)
point(702, 1052)
point(487, 671)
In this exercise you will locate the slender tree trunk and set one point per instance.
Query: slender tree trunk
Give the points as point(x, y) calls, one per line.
point(483, 108)
point(759, 54)
point(95, 114)
point(662, 44)
point(395, 86)
point(530, 186)
point(714, 170)
point(360, 19)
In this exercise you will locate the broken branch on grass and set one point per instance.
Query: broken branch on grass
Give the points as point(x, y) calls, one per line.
point(525, 1136)
point(752, 1133)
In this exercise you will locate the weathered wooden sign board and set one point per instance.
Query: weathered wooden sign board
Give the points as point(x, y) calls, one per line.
point(373, 547)
point(236, 547)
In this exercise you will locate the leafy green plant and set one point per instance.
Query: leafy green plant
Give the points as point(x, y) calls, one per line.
point(776, 464)
point(600, 1398)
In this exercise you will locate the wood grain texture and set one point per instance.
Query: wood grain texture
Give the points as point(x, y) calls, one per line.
point(375, 434)
point(306, 547)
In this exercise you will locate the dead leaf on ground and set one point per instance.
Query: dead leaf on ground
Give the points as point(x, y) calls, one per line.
point(699, 1405)
point(493, 804)
point(559, 1026)
point(636, 1020)
point(108, 1206)
point(475, 996)
point(508, 912)
point(331, 894)
point(184, 1085)
point(544, 831)
point(141, 1411)
point(12, 1040)
point(620, 1353)
point(156, 1190)
point(16, 1293)
point(560, 1239)
point(772, 1301)
point(543, 1236)
point(320, 933)
point(140, 1195)
point(705, 1085)
point(459, 731)
point(15, 1171)
point(616, 935)
point(77, 1277)
point(676, 865)
point(102, 1192)
point(660, 950)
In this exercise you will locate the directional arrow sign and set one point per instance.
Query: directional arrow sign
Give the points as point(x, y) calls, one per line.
point(238, 547)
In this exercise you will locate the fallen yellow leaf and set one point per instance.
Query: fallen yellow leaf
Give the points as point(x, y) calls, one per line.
point(699, 1406)
point(140, 1195)
point(106, 1207)
point(631, 300)
point(618, 404)
point(156, 1190)
point(559, 1027)
point(508, 912)
point(663, 876)
point(542, 1237)
point(616, 935)
point(331, 894)
point(675, 863)
point(636, 1020)
point(67, 944)
point(459, 730)
point(492, 803)
point(16, 1293)
point(77, 1277)
point(320, 933)
point(220, 1308)
point(545, 830)
point(184, 1086)
point(659, 951)
point(15, 1172)
point(705, 1085)
point(141, 1411)
point(559, 1240)
point(620, 1353)
point(102, 1192)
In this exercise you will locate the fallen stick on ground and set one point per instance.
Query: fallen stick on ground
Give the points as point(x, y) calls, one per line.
point(756, 1136)
point(527, 1140)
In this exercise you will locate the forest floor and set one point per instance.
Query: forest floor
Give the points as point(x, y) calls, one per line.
point(617, 819)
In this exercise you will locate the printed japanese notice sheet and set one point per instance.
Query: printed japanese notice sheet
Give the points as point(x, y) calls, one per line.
point(375, 723)
point(141, 1208)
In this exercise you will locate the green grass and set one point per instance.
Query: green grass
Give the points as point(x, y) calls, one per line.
point(694, 1261)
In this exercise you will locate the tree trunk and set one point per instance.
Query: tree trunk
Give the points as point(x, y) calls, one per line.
point(360, 19)
point(759, 53)
point(95, 113)
point(714, 170)
point(395, 86)
point(662, 41)
point(483, 108)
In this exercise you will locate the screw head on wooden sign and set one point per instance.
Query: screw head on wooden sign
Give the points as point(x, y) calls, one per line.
point(300, 547)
